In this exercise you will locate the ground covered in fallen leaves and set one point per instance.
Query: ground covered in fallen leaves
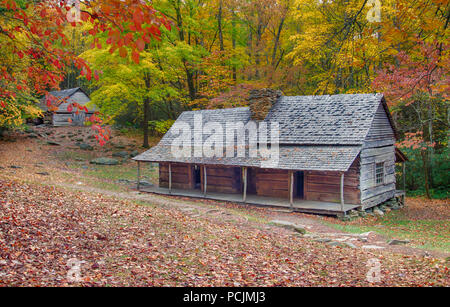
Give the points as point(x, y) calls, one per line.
point(125, 243)
point(57, 208)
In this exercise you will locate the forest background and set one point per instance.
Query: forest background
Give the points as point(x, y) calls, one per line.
point(143, 62)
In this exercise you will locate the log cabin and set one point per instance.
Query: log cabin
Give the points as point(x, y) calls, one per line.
point(64, 98)
point(336, 153)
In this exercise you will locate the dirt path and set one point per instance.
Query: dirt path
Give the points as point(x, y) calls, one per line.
point(222, 211)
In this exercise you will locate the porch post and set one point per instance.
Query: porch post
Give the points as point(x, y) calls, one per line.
point(342, 192)
point(205, 180)
point(291, 189)
point(170, 177)
point(244, 196)
point(138, 175)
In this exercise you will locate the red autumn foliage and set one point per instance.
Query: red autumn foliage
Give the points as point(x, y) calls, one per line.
point(125, 22)
point(415, 140)
point(424, 69)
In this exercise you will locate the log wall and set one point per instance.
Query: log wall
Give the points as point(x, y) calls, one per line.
point(222, 179)
point(371, 193)
point(271, 183)
point(182, 175)
point(62, 119)
point(326, 186)
point(378, 147)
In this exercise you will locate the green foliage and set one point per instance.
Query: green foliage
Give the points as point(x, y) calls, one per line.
point(124, 86)
point(439, 169)
point(161, 126)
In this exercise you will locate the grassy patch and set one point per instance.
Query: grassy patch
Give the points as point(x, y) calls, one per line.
point(95, 183)
point(125, 171)
point(74, 155)
point(423, 233)
point(107, 176)
point(438, 193)
point(138, 135)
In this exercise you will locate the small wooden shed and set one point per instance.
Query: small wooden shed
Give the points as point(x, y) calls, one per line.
point(63, 99)
point(336, 153)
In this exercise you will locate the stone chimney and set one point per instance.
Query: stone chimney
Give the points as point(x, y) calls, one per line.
point(261, 100)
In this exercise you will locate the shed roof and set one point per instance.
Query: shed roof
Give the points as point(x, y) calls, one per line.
point(316, 132)
point(66, 94)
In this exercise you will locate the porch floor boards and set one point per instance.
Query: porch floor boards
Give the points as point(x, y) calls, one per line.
point(299, 205)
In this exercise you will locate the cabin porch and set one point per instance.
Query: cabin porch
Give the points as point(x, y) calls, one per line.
point(330, 193)
point(298, 205)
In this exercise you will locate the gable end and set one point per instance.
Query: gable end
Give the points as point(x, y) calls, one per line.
point(382, 131)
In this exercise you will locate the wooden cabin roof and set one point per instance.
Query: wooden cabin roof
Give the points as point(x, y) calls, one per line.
point(316, 132)
point(66, 93)
point(71, 95)
point(322, 158)
point(334, 120)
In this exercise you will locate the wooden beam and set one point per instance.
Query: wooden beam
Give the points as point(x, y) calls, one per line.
point(170, 178)
point(342, 192)
point(291, 189)
point(244, 196)
point(205, 180)
point(138, 175)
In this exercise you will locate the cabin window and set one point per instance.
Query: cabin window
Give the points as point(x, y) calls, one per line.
point(379, 173)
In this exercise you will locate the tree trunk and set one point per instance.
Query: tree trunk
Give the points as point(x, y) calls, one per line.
point(190, 82)
point(430, 132)
point(219, 25)
point(425, 172)
point(189, 73)
point(233, 42)
point(146, 113)
point(145, 123)
point(277, 40)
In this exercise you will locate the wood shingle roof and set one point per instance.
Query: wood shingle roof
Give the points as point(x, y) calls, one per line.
point(316, 132)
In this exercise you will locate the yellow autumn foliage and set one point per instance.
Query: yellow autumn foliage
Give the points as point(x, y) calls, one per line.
point(14, 114)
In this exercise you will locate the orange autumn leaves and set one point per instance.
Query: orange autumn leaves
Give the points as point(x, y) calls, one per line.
point(37, 36)
point(129, 24)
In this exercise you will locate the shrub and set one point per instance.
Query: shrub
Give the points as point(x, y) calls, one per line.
point(160, 127)
point(15, 112)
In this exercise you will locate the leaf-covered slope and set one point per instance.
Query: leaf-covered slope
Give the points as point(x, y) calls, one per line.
point(124, 243)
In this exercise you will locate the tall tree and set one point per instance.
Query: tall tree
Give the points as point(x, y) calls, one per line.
point(34, 32)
